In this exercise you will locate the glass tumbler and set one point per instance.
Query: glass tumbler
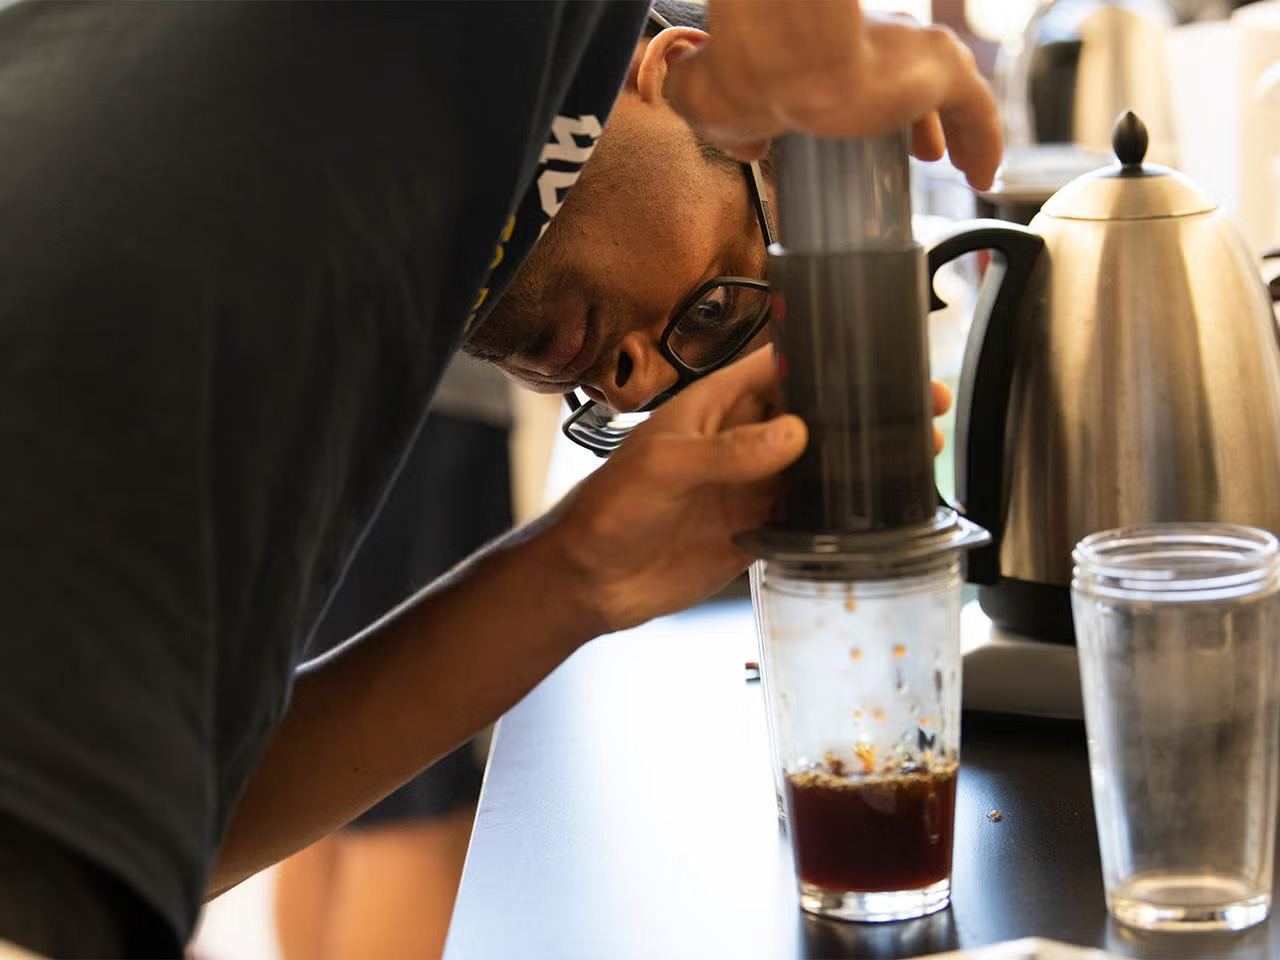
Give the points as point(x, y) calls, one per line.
point(756, 579)
point(1178, 634)
point(864, 696)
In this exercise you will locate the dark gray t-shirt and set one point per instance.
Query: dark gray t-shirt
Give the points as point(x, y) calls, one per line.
point(238, 244)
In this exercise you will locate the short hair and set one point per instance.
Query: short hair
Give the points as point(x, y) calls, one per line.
point(678, 13)
point(686, 13)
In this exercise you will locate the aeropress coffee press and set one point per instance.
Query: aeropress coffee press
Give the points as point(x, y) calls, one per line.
point(857, 583)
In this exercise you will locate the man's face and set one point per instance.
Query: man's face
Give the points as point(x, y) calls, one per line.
point(649, 220)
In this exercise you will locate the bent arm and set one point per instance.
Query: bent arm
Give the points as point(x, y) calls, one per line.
point(369, 716)
point(649, 533)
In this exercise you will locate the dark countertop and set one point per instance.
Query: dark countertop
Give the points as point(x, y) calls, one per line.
point(628, 812)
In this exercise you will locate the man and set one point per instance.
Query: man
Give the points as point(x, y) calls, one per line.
point(239, 244)
point(583, 310)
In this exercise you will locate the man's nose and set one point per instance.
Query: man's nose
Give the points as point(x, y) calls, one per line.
point(640, 373)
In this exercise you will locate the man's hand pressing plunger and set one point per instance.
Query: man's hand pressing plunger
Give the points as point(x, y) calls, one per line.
point(940, 397)
point(826, 68)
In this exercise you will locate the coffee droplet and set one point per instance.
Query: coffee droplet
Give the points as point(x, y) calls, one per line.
point(900, 651)
point(856, 653)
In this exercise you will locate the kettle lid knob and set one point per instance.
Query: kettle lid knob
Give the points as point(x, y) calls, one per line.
point(1130, 189)
point(1129, 139)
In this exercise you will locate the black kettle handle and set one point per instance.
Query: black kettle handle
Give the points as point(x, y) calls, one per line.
point(1274, 287)
point(982, 403)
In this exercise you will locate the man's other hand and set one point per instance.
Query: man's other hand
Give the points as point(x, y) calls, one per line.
point(651, 532)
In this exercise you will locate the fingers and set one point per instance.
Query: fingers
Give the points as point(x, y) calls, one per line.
point(930, 70)
point(744, 390)
point(746, 151)
point(940, 398)
point(695, 89)
point(691, 89)
point(712, 431)
point(927, 140)
point(738, 455)
point(969, 119)
point(840, 73)
point(708, 432)
point(973, 139)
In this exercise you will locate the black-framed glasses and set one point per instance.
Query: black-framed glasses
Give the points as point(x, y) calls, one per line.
point(710, 328)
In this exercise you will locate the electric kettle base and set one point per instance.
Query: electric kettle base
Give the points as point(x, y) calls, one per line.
point(1006, 672)
point(1026, 608)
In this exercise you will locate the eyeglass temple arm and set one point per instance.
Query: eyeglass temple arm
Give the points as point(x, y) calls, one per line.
point(760, 199)
point(658, 20)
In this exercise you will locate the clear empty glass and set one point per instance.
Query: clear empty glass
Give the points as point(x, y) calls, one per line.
point(864, 696)
point(1178, 630)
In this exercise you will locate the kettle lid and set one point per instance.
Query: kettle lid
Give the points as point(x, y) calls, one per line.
point(1129, 189)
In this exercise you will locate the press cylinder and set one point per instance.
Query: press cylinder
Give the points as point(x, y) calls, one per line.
point(850, 333)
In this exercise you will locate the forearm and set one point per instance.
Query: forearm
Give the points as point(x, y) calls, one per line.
point(368, 717)
point(649, 533)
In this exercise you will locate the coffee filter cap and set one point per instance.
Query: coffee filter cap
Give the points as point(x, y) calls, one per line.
point(873, 555)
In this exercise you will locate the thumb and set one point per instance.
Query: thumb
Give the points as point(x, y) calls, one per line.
point(738, 455)
point(690, 88)
point(687, 87)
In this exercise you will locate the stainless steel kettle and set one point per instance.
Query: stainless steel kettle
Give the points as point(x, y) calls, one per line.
point(1127, 370)
point(1079, 63)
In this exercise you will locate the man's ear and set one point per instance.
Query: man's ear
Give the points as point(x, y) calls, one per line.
point(649, 62)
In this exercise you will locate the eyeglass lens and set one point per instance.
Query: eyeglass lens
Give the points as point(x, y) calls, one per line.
point(715, 327)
